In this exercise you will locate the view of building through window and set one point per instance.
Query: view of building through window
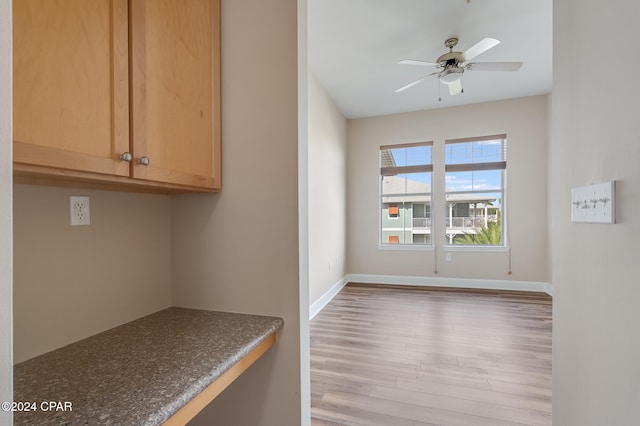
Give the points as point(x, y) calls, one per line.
point(473, 197)
point(474, 190)
point(406, 193)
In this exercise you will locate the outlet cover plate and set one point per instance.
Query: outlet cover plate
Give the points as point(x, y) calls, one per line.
point(79, 210)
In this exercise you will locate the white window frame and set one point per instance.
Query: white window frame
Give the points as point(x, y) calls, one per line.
point(499, 165)
point(391, 171)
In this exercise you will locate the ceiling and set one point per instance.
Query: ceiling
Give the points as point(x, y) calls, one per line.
point(354, 47)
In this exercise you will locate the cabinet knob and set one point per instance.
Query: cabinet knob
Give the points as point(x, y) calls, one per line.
point(144, 161)
point(126, 156)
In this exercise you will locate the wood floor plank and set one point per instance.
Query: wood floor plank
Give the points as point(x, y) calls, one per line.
point(474, 394)
point(353, 415)
point(411, 412)
point(416, 356)
point(497, 410)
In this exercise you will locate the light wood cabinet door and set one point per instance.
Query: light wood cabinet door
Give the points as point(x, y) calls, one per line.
point(94, 79)
point(71, 90)
point(175, 92)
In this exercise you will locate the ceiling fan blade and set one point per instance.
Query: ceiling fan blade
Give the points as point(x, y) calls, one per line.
point(415, 62)
point(493, 66)
point(455, 87)
point(480, 47)
point(403, 88)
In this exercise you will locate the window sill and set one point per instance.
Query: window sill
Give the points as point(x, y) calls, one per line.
point(405, 247)
point(477, 248)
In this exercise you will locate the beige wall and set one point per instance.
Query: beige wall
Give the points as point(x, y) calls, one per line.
point(238, 250)
point(327, 191)
point(6, 350)
point(73, 282)
point(525, 123)
point(595, 268)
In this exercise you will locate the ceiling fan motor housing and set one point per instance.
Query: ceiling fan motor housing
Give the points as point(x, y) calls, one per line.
point(450, 58)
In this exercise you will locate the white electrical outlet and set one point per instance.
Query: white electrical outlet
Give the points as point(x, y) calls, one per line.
point(80, 211)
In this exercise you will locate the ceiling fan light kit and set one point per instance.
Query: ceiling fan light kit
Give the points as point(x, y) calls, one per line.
point(452, 65)
point(451, 75)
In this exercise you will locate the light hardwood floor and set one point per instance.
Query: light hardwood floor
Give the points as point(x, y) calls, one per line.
point(415, 356)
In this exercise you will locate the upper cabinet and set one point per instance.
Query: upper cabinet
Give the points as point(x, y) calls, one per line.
point(70, 84)
point(175, 90)
point(118, 93)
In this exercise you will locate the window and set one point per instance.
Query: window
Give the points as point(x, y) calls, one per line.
point(405, 194)
point(474, 190)
point(393, 211)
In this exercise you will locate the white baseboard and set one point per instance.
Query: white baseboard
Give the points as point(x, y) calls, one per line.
point(326, 298)
point(541, 287)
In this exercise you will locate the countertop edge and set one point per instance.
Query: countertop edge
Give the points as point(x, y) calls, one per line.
point(156, 366)
point(174, 407)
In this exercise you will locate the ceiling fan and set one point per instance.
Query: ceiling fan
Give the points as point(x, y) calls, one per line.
point(452, 65)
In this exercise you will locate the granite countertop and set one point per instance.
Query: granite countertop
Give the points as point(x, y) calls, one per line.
point(139, 373)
